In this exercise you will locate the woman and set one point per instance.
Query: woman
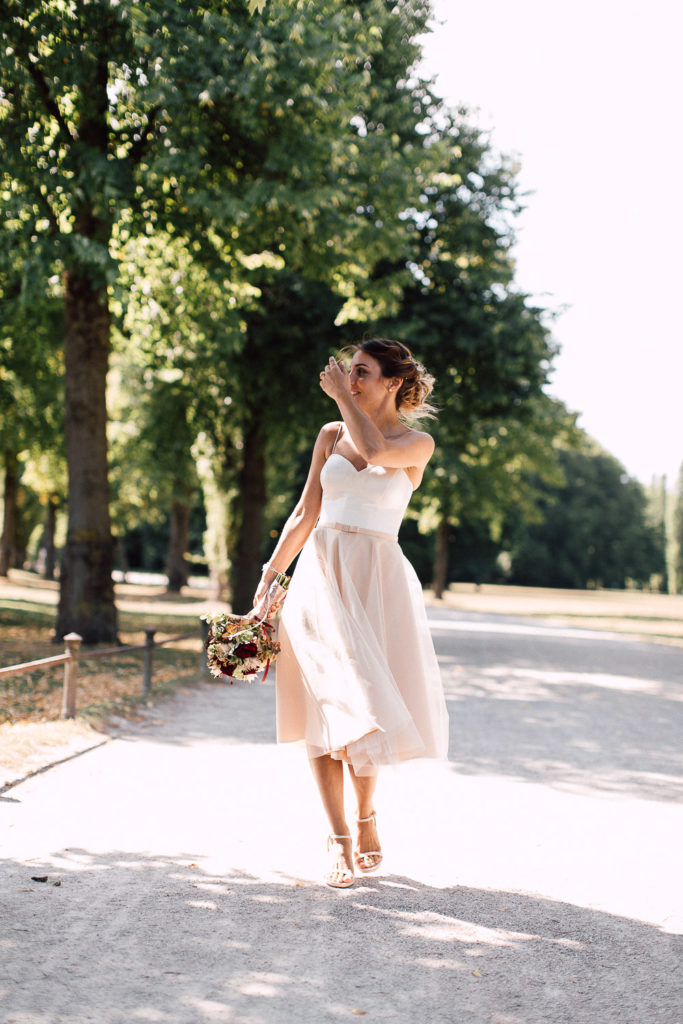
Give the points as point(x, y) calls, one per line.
point(357, 677)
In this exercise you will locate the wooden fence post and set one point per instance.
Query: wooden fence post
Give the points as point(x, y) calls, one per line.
point(147, 664)
point(72, 643)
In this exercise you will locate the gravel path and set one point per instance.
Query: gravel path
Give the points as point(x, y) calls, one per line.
point(535, 879)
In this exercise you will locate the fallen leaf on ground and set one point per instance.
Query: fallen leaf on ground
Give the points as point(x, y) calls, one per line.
point(476, 973)
point(39, 878)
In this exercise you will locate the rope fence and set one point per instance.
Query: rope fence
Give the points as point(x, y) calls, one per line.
point(73, 655)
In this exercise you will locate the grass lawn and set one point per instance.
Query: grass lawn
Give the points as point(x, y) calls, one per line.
point(32, 736)
point(653, 617)
point(108, 685)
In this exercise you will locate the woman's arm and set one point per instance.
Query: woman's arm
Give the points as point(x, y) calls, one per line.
point(299, 526)
point(414, 448)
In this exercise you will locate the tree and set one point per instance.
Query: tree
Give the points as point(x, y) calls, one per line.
point(658, 517)
point(153, 472)
point(291, 334)
point(678, 533)
point(31, 386)
point(377, 159)
point(594, 529)
point(489, 348)
point(328, 219)
point(118, 119)
point(45, 474)
point(499, 480)
point(243, 365)
point(64, 177)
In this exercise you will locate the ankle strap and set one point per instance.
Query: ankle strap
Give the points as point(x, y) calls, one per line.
point(371, 818)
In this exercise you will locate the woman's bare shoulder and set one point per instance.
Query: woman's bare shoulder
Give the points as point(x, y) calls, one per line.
point(425, 440)
point(325, 439)
point(328, 433)
point(330, 428)
point(419, 433)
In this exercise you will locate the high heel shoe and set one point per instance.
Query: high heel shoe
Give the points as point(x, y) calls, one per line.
point(360, 857)
point(339, 877)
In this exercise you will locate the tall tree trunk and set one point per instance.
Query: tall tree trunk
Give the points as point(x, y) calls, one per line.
point(177, 568)
point(49, 537)
point(664, 538)
point(678, 534)
point(8, 541)
point(441, 558)
point(252, 497)
point(86, 599)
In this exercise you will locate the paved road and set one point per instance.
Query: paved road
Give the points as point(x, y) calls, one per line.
point(535, 879)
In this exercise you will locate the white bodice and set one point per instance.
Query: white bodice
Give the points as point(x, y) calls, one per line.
point(374, 498)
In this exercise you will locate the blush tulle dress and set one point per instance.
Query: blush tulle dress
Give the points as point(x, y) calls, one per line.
point(357, 676)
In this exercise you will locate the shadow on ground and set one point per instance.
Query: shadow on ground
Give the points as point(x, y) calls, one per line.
point(127, 936)
point(609, 712)
point(580, 718)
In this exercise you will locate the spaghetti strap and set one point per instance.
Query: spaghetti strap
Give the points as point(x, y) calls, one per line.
point(337, 437)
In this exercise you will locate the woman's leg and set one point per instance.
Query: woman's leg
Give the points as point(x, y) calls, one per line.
point(329, 774)
point(364, 786)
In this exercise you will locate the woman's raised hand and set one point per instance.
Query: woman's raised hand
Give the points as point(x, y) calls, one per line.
point(334, 380)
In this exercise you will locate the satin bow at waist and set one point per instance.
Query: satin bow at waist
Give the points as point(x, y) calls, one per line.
point(348, 528)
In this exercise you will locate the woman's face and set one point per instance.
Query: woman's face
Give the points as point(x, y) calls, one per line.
point(368, 386)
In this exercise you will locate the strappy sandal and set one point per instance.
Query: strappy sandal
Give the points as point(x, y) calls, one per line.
point(338, 878)
point(360, 856)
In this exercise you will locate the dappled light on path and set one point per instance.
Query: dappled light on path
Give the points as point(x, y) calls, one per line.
point(173, 941)
point(533, 878)
point(579, 714)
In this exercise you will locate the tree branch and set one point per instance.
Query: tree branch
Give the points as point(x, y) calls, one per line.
point(23, 52)
point(50, 105)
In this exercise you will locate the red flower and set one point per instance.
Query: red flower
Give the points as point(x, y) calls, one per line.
point(248, 650)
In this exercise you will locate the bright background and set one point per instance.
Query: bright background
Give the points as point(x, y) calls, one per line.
point(588, 96)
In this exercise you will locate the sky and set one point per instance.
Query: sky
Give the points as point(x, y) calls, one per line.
point(587, 96)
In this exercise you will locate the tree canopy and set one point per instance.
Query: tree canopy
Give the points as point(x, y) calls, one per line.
point(200, 202)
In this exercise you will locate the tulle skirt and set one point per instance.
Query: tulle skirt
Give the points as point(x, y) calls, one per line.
point(357, 676)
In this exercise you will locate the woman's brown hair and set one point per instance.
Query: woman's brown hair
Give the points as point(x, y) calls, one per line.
point(396, 360)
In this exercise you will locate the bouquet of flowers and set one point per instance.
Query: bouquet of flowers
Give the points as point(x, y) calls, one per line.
point(239, 646)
